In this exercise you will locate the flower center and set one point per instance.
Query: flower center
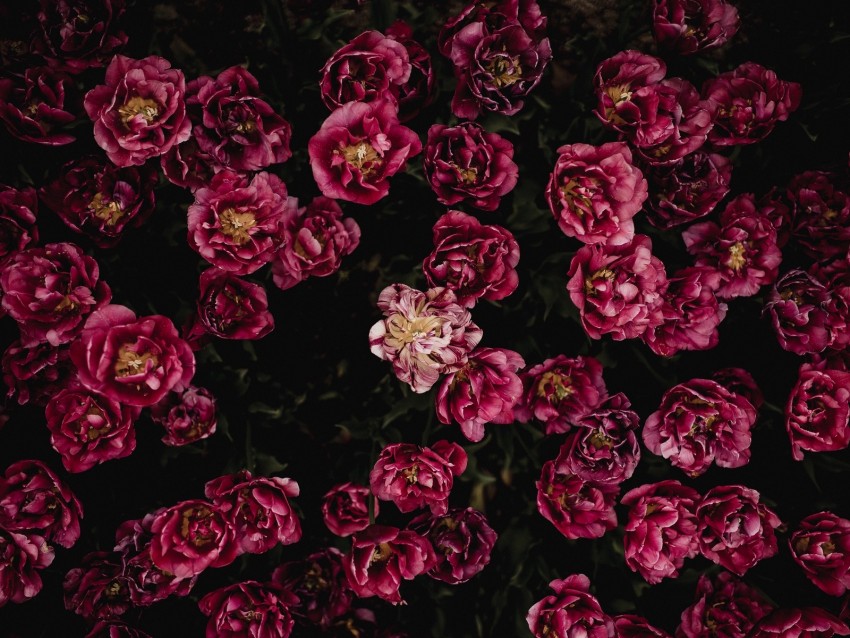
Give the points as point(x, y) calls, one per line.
point(113, 589)
point(299, 247)
point(618, 93)
point(314, 579)
point(736, 257)
point(131, 363)
point(109, 211)
point(66, 305)
point(237, 224)
point(505, 69)
point(578, 195)
point(411, 474)
point(406, 330)
point(602, 273)
point(466, 175)
point(555, 386)
point(380, 554)
point(600, 440)
point(363, 157)
point(801, 546)
point(135, 106)
point(195, 526)
point(94, 416)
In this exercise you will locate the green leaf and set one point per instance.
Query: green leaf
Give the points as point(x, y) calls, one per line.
point(268, 464)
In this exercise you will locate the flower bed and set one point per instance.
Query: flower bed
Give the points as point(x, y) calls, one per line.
point(340, 318)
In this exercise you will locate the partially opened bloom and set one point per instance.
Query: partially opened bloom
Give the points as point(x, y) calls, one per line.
point(700, 422)
point(688, 189)
point(250, 608)
point(571, 610)
point(474, 260)
point(236, 223)
point(413, 477)
point(190, 537)
point(381, 557)
point(94, 197)
point(80, 34)
point(498, 58)
point(345, 508)
point(231, 123)
point(747, 103)
point(821, 547)
point(186, 416)
point(798, 306)
point(462, 540)
point(603, 446)
point(817, 416)
point(465, 163)
point(424, 335)
point(739, 381)
point(33, 106)
point(229, 307)
point(98, 588)
point(485, 390)
point(560, 391)
point(663, 119)
point(618, 289)
point(674, 122)
point(808, 622)
point(21, 556)
point(690, 26)
point(577, 508)
point(819, 213)
point(35, 373)
point(372, 66)
point(147, 583)
point(258, 508)
point(622, 83)
point(358, 148)
point(690, 313)
point(742, 249)
point(319, 583)
point(736, 530)
point(660, 529)
point(725, 607)
point(187, 166)
point(315, 239)
point(33, 499)
point(132, 360)
point(595, 191)
point(140, 112)
point(87, 428)
point(50, 291)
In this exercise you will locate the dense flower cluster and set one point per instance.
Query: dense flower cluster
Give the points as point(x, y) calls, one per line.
point(126, 146)
point(36, 508)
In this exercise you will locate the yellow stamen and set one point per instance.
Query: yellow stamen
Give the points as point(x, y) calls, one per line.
point(145, 107)
point(237, 224)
